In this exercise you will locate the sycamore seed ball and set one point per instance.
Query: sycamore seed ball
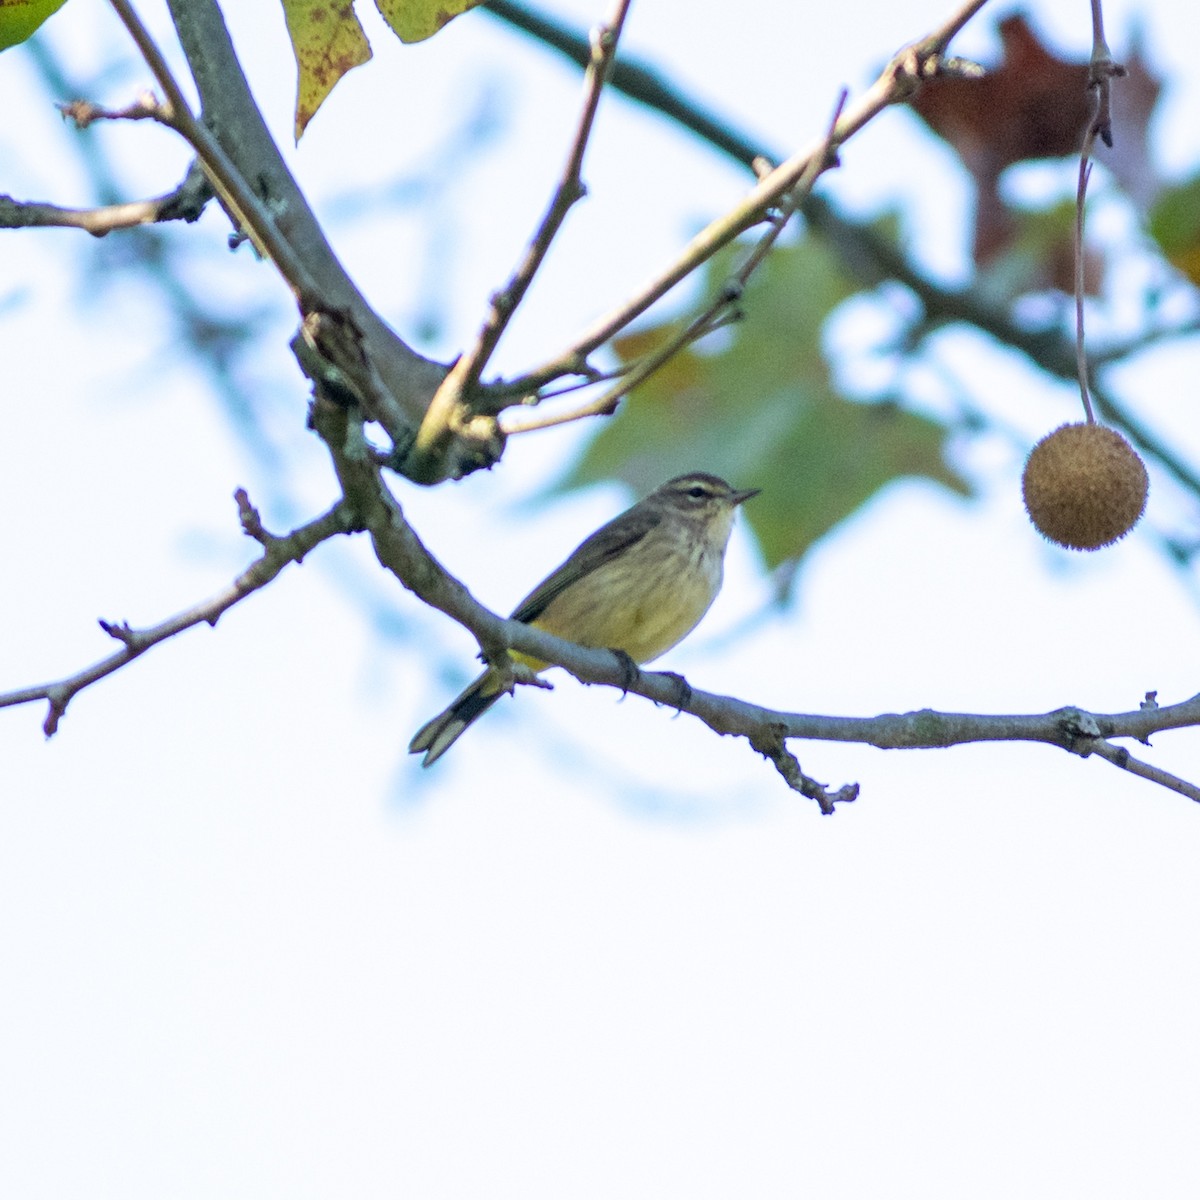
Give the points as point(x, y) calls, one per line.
point(1084, 486)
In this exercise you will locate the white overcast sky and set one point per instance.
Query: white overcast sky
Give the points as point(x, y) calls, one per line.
point(249, 949)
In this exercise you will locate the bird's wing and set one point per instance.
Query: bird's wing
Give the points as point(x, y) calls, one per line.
point(603, 546)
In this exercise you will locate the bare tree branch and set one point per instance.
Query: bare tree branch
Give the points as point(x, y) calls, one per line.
point(247, 208)
point(898, 82)
point(83, 113)
point(278, 552)
point(449, 404)
point(934, 46)
point(1102, 70)
point(720, 312)
point(773, 747)
point(389, 378)
point(401, 551)
point(184, 203)
point(868, 254)
point(1120, 757)
point(368, 504)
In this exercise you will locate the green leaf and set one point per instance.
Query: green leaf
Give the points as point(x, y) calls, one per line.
point(1175, 226)
point(20, 18)
point(328, 42)
point(416, 20)
point(764, 412)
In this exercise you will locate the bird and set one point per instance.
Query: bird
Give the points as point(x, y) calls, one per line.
point(637, 586)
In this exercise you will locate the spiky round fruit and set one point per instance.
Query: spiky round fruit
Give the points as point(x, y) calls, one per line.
point(1084, 486)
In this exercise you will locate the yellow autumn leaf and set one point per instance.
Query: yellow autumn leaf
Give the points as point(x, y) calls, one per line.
point(328, 42)
point(416, 20)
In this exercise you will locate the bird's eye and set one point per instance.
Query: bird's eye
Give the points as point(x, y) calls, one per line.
point(697, 493)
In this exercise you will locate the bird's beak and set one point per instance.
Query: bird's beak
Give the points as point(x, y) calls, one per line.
point(742, 497)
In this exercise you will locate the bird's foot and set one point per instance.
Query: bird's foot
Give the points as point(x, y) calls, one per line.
point(630, 671)
point(683, 690)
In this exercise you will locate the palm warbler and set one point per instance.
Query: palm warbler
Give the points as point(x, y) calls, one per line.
point(639, 585)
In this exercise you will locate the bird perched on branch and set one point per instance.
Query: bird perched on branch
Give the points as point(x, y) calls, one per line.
point(639, 585)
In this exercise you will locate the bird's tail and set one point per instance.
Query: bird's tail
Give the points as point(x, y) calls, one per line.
point(437, 736)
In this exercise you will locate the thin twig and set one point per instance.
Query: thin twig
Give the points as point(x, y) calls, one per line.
point(569, 191)
point(1120, 757)
point(1085, 171)
point(1102, 69)
point(463, 378)
point(28, 214)
point(718, 313)
point(278, 552)
point(773, 748)
point(793, 200)
point(934, 46)
point(590, 380)
point(147, 107)
point(897, 83)
point(235, 192)
point(524, 420)
point(636, 78)
point(185, 203)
